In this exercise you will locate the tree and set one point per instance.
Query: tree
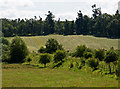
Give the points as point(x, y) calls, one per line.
point(118, 69)
point(5, 41)
point(5, 50)
point(100, 54)
point(96, 11)
point(80, 50)
point(49, 23)
point(52, 45)
point(79, 23)
point(44, 59)
point(93, 63)
point(59, 55)
point(87, 55)
point(111, 56)
point(66, 28)
point(42, 49)
point(29, 60)
point(18, 50)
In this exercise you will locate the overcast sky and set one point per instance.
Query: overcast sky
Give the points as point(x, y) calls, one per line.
point(64, 9)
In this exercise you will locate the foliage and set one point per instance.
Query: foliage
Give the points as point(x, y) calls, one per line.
point(42, 50)
point(100, 54)
point(102, 25)
point(87, 55)
point(5, 41)
point(18, 50)
point(111, 56)
point(93, 63)
point(59, 55)
point(80, 51)
point(52, 45)
point(29, 59)
point(44, 59)
point(118, 69)
point(5, 50)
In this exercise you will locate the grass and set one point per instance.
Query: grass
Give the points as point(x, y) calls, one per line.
point(18, 75)
point(70, 42)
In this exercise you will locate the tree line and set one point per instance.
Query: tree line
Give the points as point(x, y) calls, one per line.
point(100, 24)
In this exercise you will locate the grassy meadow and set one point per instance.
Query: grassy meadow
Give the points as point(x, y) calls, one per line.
point(60, 74)
point(70, 42)
point(17, 75)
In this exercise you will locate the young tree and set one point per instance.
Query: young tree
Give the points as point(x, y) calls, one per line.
point(5, 50)
point(52, 45)
point(29, 60)
point(44, 59)
point(111, 56)
point(80, 50)
point(59, 55)
point(93, 63)
point(18, 50)
point(100, 54)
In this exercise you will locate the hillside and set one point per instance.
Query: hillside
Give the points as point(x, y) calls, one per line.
point(70, 42)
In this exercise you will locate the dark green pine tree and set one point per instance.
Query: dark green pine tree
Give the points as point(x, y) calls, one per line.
point(79, 23)
point(49, 23)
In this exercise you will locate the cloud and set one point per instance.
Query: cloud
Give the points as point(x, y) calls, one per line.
point(64, 9)
point(13, 8)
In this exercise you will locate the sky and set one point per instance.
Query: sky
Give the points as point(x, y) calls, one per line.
point(63, 9)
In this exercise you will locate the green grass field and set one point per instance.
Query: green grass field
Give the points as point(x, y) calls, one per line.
point(18, 75)
point(70, 42)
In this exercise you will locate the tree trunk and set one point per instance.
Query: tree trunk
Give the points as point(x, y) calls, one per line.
point(44, 65)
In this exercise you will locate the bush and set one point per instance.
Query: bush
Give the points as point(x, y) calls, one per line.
point(82, 60)
point(5, 50)
point(5, 53)
point(118, 69)
point(80, 51)
point(18, 50)
point(87, 55)
point(93, 63)
point(59, 55)
point(52, 45)
point(111, 56)
point(100, 54)
point(5, 41)
point(42, 50)
point(29, 60)
point(44, 59)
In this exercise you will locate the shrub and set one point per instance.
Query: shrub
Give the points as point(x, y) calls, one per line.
point(5, 53)
point(18, 50)
point(100, 54)
point(52, 45)
point(93, 63)
point(82, 60)
point(5, 41)
point(59, 55)
point(5, 50)
point(42, 50)
point(80, 51)
point(29, 60)
point(111, 56)
point(44, 59)
point(118, 69)
point(87, 55)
